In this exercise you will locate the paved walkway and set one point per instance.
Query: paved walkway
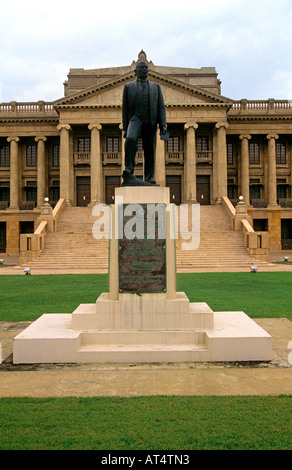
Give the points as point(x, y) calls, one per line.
point(61, 380)
point(273, 266)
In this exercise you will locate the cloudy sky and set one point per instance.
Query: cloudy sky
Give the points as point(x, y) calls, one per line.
point(248, 41)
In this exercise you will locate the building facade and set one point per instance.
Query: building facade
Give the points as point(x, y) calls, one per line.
point(73, 148)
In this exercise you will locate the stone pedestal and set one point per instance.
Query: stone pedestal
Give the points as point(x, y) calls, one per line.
point(130, 327)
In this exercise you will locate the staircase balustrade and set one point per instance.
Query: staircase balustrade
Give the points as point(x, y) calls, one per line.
point(257, 243)
point(32, 244)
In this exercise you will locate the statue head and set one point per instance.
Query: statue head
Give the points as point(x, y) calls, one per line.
point(141, 70)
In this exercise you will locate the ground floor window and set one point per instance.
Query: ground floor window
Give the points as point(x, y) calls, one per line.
point(55, 193)
point(232, 191)
point(4, 192)
point(286, 234)
point(26, 227)
point(260, 225)
point(281, 191)
point(255, 192)
point(31, 194)
point(2, 237)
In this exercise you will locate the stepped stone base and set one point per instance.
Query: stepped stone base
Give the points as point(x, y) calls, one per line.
point(142, 329)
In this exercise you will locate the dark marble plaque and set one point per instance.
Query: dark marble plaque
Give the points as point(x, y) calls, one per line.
point(142, 248)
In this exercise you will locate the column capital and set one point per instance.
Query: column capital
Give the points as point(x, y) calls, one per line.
point(272, 136)
point(43, 138)
point(10, 139)
point(64, 126)
point(221, 124)
point(190, 124)
point(95, 126)
point(245, 136)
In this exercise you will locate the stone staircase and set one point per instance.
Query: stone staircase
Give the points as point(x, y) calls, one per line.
point(220, 248)
point(73, 247)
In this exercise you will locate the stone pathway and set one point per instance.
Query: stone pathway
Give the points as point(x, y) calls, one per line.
point(61, 380)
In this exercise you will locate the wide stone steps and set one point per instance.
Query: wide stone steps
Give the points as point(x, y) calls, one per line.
point(73, 246)
point(120, 345)
point(142, 353)
point(128, 337)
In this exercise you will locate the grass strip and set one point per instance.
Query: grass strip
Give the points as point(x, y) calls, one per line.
point(147, 423)
point(259, 295)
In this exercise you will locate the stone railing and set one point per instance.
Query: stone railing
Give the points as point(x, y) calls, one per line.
point(81, 158)
point(266, 106)
point(285, 202)
point(4, 205)
point(27, 108)
point(204, 156)
point(56, 212)
point(257, 243)
point(32, 244)
point(174, 157)
point(230, 209)
point(109, 158)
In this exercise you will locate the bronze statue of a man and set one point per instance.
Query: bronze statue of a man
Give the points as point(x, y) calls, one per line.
point(143, 109)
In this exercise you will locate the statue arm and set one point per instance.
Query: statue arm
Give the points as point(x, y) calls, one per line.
point(125, 110)
point(161, 112)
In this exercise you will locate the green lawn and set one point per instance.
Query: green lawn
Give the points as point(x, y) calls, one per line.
point(147, 423)
point(25, 298)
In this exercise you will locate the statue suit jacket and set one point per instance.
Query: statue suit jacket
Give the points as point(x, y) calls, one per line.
point(157, 108)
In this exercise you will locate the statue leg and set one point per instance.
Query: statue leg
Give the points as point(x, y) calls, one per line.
point(149, 146)
point(131, 144)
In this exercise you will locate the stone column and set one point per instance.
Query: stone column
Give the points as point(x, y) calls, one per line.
point(95, 164)
point(160, 161)
point(41, 170)
point(244, 188)
point(190, 165)
point(14, 173)
point(222, 160)
point(272, 170)
point(65, 162)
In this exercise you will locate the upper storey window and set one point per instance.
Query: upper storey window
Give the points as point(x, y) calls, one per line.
point(280, 153)
point(84, 144)
point(254, 153)
point(56, 155)
point(4, 155)
point(31, 155)
point(173, 144)
point(229, 151)
point(112, 144)
point(202, 143)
